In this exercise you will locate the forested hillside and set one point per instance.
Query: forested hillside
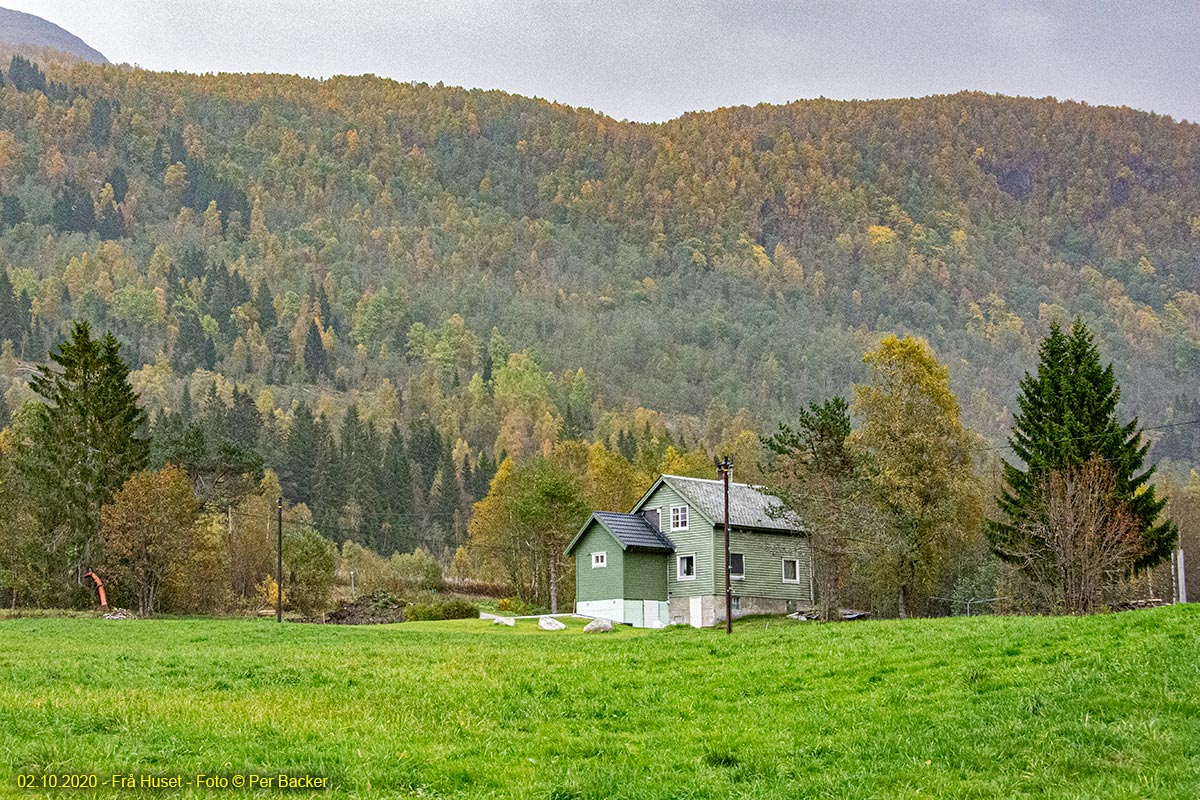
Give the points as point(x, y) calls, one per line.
point(449, 276)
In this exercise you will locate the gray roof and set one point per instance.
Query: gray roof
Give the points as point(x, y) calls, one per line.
point(631, 531)
point(749, 506)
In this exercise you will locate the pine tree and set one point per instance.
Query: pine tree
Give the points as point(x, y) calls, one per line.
point(25, 309)
point(265, 305)
point(314, 351)
point(360, 465)
point(193, 348)
point(1067, 414)
point(119, 183)
point(395, 492)
point(74, 209)
point(216, 415)
point(444, 500)
point(328, 486)
point(481, 477)
point(300, 456)
point(243, 422)
point(324, 308)
point(424, 450)
point(87, 439)
point(10, 313)
point(26, 76)
point(185, 404)
point(626, 445)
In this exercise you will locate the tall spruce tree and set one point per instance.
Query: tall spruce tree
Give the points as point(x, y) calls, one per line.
point(314, 351)
point(360, 465)
point(395, 492)
point(300, 456)
point(11, 326)
point(444, 499)
point(185, 403)
point(243, 421)
point(265, 305)
point(328, 487)
point(1067, 414)
point(88, 437)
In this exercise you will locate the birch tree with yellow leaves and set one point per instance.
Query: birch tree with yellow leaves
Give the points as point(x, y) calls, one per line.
point(918, 460)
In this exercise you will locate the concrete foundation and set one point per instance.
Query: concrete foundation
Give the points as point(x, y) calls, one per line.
point(711, 608)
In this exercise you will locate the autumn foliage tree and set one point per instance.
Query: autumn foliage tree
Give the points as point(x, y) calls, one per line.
point(817, 476)
point(528, 517)
point(916, 455)
point(147, 531)
point(1084, 540)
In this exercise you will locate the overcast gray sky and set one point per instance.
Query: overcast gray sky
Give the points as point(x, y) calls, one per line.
point(654, 60)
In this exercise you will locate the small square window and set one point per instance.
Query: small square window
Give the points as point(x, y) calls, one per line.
point(791, 570)
point(737, 566)
point(686, 568)
point(737, 603)
point(679, 518)
point(599, 560)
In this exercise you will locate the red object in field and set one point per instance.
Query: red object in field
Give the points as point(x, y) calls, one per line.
point(100, 587)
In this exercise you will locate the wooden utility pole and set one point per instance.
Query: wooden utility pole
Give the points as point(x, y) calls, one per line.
point(279, 560)
point(725, 469)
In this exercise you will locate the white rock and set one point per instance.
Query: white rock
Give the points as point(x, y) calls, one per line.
point(509, 621)
point(550, 624)
point(600, 625)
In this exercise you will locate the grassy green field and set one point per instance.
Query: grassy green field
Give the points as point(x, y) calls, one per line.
point(1102, 707)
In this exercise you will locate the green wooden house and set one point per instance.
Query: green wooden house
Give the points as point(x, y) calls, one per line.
point(662, 562)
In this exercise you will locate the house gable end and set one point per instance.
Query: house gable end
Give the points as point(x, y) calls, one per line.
point(593, 520)
point(652, 495)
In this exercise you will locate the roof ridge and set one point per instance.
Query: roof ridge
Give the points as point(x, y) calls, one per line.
point(708, 480)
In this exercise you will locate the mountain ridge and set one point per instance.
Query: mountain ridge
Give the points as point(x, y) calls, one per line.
point(18, 28)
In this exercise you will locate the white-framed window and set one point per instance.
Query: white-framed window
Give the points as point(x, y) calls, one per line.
point(791, 570)
point(737, 566)
point(679, 518)
point(599, 560)
point(736, 602)
point(685, 567)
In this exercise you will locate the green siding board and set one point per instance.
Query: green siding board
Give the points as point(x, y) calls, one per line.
point(696, 539)
point(763, 555)
point(646, 575)
point(605, 583)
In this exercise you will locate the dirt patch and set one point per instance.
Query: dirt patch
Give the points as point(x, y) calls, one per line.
point(1137, 605)
point(377, 608)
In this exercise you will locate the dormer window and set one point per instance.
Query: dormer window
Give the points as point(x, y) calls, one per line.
point(679, 518)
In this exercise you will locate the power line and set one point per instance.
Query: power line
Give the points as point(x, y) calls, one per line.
point(349, 534)
point(1164, 426)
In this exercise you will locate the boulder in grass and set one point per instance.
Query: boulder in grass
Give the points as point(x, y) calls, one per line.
point(509, 621)
point(550, 624)
point(599, 625)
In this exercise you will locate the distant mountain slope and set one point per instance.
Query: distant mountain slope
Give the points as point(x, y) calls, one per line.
point(314, 238)
point(18, 28)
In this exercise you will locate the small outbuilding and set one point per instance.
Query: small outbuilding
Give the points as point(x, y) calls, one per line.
point(662, 562)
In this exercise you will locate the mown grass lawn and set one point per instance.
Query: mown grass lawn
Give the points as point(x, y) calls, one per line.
point(1103, 707)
